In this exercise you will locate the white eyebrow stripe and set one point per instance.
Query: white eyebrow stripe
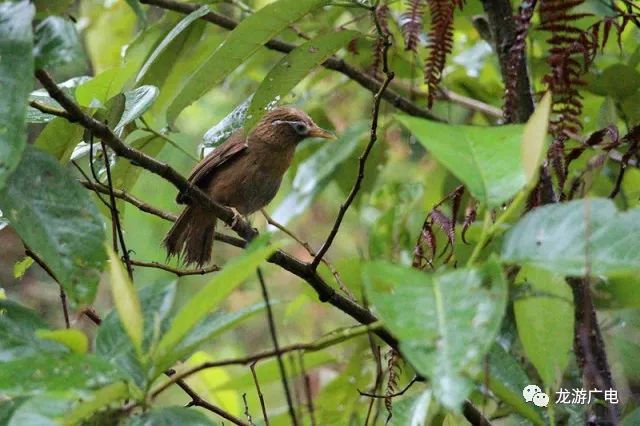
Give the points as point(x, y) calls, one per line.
point(276, 122)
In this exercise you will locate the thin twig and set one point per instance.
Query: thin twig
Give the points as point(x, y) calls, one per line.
point(115, 216)
point(375, 350)
point(46, 109)
point(176, 271)
point(307, 389)
point(372, 140)
point(246, 409)
point(173, 143)
point(392, 395)
point(259, 391)
point(63, 295)
point(276, 347)
point(197, 401)
point(311, 252)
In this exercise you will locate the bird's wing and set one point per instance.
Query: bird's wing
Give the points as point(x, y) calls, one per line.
point(229, 150)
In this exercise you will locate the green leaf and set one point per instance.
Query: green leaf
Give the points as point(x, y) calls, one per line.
point(171, 35)
point(291, 69)
point(102, 87)
point(124, 173)
point(575, 238)
point(631, 419)
point(41, 410)
point(459, 316)
point(55, 373)
point(56, 43)
point(59, 138)
point(618, 81)
point(481, 157)
point(169, 416)
point(47, 7)
point(18, 326)
point(251, 34)
point(208, 298)
point(16, 79)
point(112, 342)
point(533, 139)
point(92, 403)
point(55, 217)
point(412, 410)
point(73, 339)
point(507, 379)
point(137, 102)
point(22, 266)
point(315, 173)
point(544, 316)
point(618, 292)
point(126, 300)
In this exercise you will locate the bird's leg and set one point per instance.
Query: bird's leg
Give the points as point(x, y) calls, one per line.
point(236, 217)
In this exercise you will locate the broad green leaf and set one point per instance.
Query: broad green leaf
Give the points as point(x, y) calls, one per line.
point(226, 127)
point(618, 81)
point(73, 339)
point(56, 218)
point(291, 69)
point(41, 410)
point(126, 300)
point(458, 318)
point(206, 380)
point(315, 173)
point(166, 416)
point(56, 43)
point(8, 407)
point(483, 158)
point(575, 238)
point(251, 34)
point(18, 326)
point(112, 342)
point(534, 136)
point(204, 301)
point(16, 79)
point(59, 138)
point(507, 379)
point(137, 102)
point(55, 373)
point(210, 326)
point(544, 316)
point(631, 419)
point(171, 35)
point(412, 410)
point(102, 87)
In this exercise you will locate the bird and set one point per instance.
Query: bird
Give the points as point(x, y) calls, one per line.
point(243, 173)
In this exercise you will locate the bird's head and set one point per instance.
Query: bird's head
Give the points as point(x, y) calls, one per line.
point(286, 125)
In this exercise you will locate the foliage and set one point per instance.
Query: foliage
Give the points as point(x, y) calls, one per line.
point(474, 250)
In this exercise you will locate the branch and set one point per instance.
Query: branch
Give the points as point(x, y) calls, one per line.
point(368, 82)
point(178, 272)
point(46, 109)
point(386, 38)
point(63, 295)
point(503, 31)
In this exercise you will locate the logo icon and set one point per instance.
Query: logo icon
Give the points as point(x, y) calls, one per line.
point(533, 393)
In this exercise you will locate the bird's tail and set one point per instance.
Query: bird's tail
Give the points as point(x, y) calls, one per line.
point(191, 236)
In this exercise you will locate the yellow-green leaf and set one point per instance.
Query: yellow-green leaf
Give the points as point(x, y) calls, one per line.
point(74, 339)
point(535, 132)
point(126, 301)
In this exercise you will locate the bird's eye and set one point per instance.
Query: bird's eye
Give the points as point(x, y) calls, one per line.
point(300, 128)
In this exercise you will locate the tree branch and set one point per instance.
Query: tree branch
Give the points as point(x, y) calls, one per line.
point(365, 80)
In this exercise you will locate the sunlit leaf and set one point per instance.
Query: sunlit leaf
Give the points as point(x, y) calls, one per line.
point(546, 338)
point(16, 71)
point(170, 416)
point(56, 218)
point(126, 300)
point(42, 97)
point(242, 42)
point(534, 136)
point(291, 69)
point(481, 157)
point(576, 238)
point(137, 102)
point(139, 11)
point(74, 339)
point(412, 410)
point(59, 138)
point(459, 315)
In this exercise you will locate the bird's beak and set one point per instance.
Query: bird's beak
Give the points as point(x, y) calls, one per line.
point(317, 132)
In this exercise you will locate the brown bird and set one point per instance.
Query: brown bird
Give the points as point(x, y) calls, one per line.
point(244, 173)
